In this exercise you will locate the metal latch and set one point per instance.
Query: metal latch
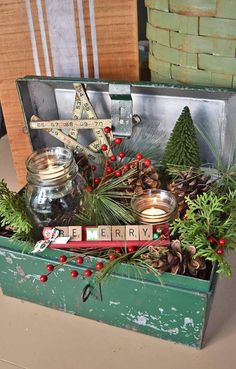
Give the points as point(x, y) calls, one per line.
point(121, 109)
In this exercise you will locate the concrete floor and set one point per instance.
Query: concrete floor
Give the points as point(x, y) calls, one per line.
point(35, 337)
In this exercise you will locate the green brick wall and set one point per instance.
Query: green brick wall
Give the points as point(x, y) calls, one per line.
point(192, 41)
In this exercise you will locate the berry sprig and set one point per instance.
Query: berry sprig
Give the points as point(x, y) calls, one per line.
point(112, 166)
point(63, 259)
point(112, 254)
point(220, 244)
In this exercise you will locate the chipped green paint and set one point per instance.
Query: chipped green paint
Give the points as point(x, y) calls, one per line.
point(173, 308)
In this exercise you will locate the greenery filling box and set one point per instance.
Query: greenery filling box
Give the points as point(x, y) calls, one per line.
point(130, 219)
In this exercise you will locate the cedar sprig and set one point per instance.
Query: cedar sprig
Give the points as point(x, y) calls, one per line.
point(208, 215)
point(13, 212)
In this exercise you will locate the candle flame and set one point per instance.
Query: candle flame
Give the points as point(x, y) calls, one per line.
point(155, 201)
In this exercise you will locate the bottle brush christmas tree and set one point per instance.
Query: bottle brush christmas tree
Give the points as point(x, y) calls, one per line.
point(182, 147)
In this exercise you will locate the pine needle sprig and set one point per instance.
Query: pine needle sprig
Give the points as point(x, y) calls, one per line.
point(107, 203)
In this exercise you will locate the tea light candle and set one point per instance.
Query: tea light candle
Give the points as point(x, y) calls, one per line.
point(153, 211)
point(154, 206)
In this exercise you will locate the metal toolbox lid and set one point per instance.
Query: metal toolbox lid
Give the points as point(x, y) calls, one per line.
point(158, 106)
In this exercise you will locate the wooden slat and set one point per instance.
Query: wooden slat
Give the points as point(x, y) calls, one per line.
point(116, 31)
point(16, 60)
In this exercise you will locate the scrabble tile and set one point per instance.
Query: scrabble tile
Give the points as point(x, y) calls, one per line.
point(64, 231)
point(118, 233)
point(104, 233)
point(75, 233)
point(145, 232)
point(132, 233)
point(92, 234)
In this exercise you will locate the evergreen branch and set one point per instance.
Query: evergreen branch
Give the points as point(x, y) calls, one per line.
point(13, 212)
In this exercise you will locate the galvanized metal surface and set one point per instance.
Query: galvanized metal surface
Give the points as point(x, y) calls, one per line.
point(173, 308)
point(157, 105)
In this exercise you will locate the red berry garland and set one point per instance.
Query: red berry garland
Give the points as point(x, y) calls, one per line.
point(131, 249)
point(62, 258)
point(112, 256)
point(113, 158)
point(109, 170)
point(107, 130)
point(220, 251)
point(97, 180)
point(211, 239)
point(50, 267)
point(122, 154)
point(74, 273)
point(118, 140)
point(139, 156)
point(104, 147)
point(147, 163)
point(87, 273)
point(117, 173)
point(43, 278)
point(222, 242)
point(79, 260)
point(99, 265)
point(126, 166)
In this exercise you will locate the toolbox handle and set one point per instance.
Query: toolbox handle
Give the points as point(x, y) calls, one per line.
point(86, 293)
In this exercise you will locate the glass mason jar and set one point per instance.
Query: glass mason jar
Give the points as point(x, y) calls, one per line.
point(54, 186)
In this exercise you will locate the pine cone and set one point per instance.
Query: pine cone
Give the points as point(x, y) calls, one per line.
point(83, 165)
point(174, 259)
point(188, 184)
point(143, 179)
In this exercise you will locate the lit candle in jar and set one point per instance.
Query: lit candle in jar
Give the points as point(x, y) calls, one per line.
point(153, 211)
point(154, 206)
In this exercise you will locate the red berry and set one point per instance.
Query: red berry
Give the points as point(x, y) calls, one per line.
point(122, 154)
point(89, 189)
point(62, 258)
point(113, 158)
point(220, 251)
point(109, 170)
point(130, 249)
point(79, 260)
point(112, 256)
point(222, 242)
point(99, 265)
point(50, 267)
point(117, 173)
point(211, 239)
point(118, 140)
point(118, 250)
point(43, 278)
point(93, 167)
point(147, 163)
point(107, 130)
point(74, 273)
point(104, 147)
point(126, 166)
point(97, 180)
point(87, 273)
point(139, 156)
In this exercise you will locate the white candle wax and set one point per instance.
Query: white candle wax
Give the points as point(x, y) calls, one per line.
point(153, 212)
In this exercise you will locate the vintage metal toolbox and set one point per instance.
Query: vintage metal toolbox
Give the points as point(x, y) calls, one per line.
point(173, 307)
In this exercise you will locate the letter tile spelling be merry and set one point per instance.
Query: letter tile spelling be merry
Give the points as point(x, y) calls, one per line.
point(105, 236)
